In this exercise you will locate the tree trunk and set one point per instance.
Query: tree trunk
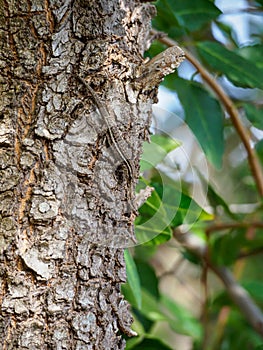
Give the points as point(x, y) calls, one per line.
point(67, 172)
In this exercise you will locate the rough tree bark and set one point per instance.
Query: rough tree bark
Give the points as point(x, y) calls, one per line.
point(65, 198)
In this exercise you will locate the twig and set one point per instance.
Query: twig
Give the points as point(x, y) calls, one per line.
point(249, 253)
point(232, 225)
point(241, 298)
point(230, 108)
point(237, 293)
point(226, 226)
point(251, 10)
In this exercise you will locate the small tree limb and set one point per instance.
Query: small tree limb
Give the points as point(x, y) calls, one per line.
point(237, 293)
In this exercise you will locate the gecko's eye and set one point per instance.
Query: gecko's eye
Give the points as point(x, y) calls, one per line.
point(120, 172)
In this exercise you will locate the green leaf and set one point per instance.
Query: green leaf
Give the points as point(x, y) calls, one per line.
point(255, 289)
point(151, 343)
point(240, 71)
point(151, 308)
point(189, 14)
point(221, 299)
point(188, 212)
point(259, 150)
point(144, 253)
point(191, 257)
point(247, 338)
point(254, 115)
point(128, 294)
point(138, 327)
point(203, 115)
point(252, 53)
point(166, 208)
point(194, 14)
point(146, 233)
point(227, 245)
point(181, 320)
point(152, 225)
point(148, 278)
point(224, 249)
point(167, 143)
point(144, 321)
point(214, 198)
point(163, 237)
point(157, 150)
point(133, 278)
point(155, 48)
point(131, 343)
point(166, 20)
point(152, 205)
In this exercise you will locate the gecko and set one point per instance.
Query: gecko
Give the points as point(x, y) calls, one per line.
point(114, 134)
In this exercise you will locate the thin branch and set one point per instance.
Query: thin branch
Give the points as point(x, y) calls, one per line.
point(249, 253)
point(241, 298)
point(230, 108)
point(232, 225)
point(251, 10)
point(237, 293)
point(226, 226)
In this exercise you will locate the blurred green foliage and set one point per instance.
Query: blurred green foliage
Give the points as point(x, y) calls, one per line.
point(231, 191)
